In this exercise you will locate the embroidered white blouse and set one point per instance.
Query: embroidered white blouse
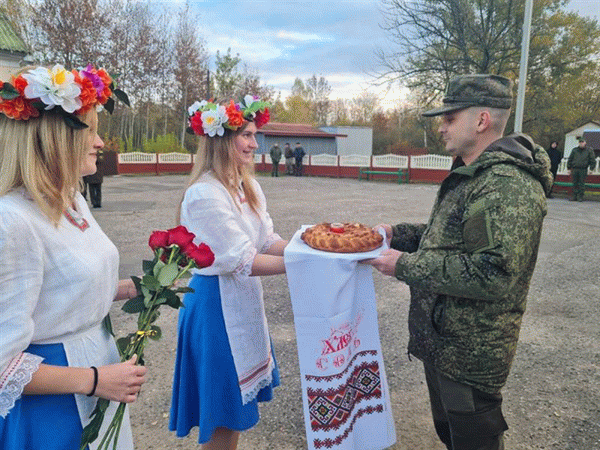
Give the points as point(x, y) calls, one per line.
point(56, 286)
point(235, 237)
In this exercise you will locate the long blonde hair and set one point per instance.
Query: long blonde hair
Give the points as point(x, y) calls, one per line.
point(217, 154)
point(43, 155)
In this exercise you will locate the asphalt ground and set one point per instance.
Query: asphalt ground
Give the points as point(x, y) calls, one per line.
point(552, 398)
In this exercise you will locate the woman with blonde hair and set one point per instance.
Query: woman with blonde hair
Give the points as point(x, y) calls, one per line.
point(225, 363)
point(59, 271)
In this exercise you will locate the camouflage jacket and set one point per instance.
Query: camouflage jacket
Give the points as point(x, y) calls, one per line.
point(469, 268)
point(581, 158)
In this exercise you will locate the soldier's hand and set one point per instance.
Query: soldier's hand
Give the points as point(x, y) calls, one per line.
point(386, 262)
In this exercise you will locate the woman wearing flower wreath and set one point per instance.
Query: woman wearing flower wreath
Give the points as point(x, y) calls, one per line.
point(225, 364)
point(59, 271)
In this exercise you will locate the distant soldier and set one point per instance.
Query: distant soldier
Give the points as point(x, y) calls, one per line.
point(299, 154)
point(275, 158)
point(289, 158)
point(469, 268)
point(580, 159)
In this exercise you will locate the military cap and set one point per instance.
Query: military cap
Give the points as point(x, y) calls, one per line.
point(465, 91)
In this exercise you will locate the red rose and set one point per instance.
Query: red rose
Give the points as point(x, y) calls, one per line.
point(196, 123)
point(262, 117)
point(180, 236)
point(201, 254)
point(158, 239)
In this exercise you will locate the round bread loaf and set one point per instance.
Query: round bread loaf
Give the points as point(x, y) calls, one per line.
point(342, 237)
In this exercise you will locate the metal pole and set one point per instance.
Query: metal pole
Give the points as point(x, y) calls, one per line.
point(523, 66)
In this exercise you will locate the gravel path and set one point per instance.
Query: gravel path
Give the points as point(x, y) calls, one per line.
point(552, 399)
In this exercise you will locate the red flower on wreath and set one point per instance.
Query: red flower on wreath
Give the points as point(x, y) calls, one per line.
point(262, 117)
point(196, 123)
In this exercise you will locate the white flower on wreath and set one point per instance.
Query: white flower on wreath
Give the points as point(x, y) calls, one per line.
point(213, 120)
point(248, 100)
point(54, 87)
point(196, 106)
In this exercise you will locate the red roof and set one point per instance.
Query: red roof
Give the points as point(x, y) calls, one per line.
point(295, 130)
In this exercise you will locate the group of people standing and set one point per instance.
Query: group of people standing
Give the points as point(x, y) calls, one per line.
point(468, 268)
point(294, 159)
point(579, 161)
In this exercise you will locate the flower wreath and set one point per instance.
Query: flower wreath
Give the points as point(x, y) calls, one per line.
point(209, 118)
point(73, 93)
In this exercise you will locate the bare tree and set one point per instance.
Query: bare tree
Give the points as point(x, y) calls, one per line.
point(318, 90)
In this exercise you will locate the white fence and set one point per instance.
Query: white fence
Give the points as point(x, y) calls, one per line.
point(562, 167)
point(137, 158)
point(355, 160)
point(175, 158)
point(390, 160)
point(324, 159)
point(435, 162)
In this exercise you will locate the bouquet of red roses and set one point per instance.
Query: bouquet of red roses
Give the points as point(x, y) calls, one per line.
point(174, 255)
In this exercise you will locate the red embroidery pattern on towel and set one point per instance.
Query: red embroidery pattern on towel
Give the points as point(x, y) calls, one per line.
point(333, 409)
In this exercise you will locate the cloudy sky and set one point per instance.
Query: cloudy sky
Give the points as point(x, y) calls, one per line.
point(285, 39)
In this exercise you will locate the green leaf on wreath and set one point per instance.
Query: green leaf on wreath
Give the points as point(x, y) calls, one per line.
point(167, 274)
point(134, 305)
point(122, 96)
point(109, 105)
point(9, 92)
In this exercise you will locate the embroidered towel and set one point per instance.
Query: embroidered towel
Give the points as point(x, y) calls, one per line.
point(345, 396)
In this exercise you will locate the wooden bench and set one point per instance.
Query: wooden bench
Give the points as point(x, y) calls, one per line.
point(402, 174)
point(568, 184)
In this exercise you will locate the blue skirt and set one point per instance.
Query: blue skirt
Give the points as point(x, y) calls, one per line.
point(44, 422)
point(206, 393)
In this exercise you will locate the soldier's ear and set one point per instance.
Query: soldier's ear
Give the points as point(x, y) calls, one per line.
point(484, 120)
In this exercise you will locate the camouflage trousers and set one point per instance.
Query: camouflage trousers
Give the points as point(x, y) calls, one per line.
point(465, 418)
point(578, 177)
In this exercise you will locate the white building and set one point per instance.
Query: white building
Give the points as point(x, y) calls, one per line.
point(358, 140)
point(571, 136)
point(13, 51)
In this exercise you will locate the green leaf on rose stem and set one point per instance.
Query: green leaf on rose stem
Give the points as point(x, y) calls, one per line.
point(155, 333)
point(167, 274)
point(151, 283)
point(107, 324)
point(134, 305)
point(156, 270)
point(91, 430)
point(147, 266)
point(137, 282)
point(172, 299)
point(123, 343)
point(184, 290)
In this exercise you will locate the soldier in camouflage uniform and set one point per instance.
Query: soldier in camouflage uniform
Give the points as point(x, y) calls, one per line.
point(470, 266)
point(580, 160)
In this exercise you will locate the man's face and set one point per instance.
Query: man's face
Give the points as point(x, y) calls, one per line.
point(459, 131)
point(581, 144)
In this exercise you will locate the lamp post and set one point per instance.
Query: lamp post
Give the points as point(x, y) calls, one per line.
point(523, 66)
